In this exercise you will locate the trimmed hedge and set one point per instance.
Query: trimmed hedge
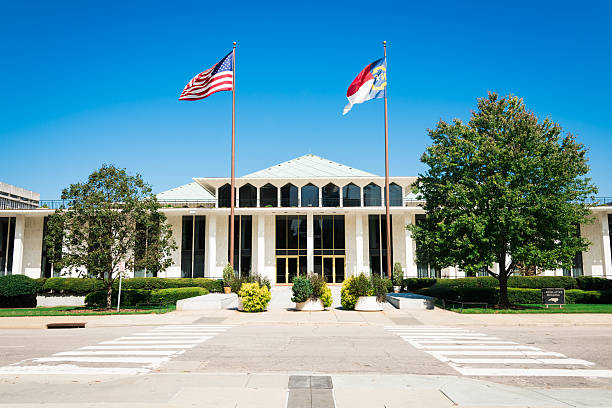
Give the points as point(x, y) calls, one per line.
point(593, 283)
point(74, 286)
point(171, 295)
point(525, 282)
point(412, 284)
point(82, 286)
point(18, 285)
point(129, 298)
point(538, 282)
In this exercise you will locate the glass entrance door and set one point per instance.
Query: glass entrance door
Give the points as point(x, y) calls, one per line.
point(333, 269)
point(287, 268)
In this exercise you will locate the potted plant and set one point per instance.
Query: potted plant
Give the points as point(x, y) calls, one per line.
point(357, 293)
point(253, 298)
point(398, 276)
point(311, 294)
point(228, 276)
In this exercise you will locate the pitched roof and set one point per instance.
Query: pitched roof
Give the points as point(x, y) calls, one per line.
point(309, 166)
point(191, 191)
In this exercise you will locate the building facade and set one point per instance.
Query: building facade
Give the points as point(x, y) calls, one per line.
point(306, 215)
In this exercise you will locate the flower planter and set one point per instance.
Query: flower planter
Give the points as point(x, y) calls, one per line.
point(310, 305)
point(241, 306)
point(368, 304)
point(227, 289)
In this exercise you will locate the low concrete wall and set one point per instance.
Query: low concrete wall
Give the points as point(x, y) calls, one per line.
point(59, 300)
point(410, 301)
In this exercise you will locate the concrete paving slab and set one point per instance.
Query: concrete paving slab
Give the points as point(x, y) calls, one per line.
point(322, 398)
point(299, 381)
point(299, 398)
point(278, 381)
point(584, 398)
point(321, 382)
point(391, 399)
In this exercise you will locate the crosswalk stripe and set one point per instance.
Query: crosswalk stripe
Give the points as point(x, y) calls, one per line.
point(72, 370)
point(144, 346)
point(147, 342)
point(119, 353)
point(89, 359)
point(182, 338)
point(494, 353)
point(462, 342)
point(532, 372)
point(168, 333)
point(482, 347)
point(566, 361)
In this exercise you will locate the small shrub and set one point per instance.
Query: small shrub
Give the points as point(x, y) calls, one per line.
point(255, 298)
point(302, 289)
point(129, 298)
point(353, 288)
point(538, 282)
point(398, 274)
point(17, 285)
point(326, 297)
point(72, 286)
point(588, 296)
point(228, 275)
point(171, 295)
point(593, 283)
point(414, 284)
point(380, 287)
point(236, 282)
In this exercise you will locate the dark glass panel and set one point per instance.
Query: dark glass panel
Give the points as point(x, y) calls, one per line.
point(351, 195)
point(328, 232)
point(375, 263)
point(310, 196)
point(374, 232)
point(199, 244)
point(395, 195)
point(281, 268)
point(338, 231)
point(302, 232)
point(328, 269)
point(45, 263)
point(186, 246)
point(11, 243)
point(225, 199)
point(317, 228)
point(292, 264)
point(318, 262)
point(331, 195)
point(4, 224)
point(293, 232)
point(371, 195)
point(248, 196)
point(289, 196)
point(268, 196)
point(281, 232)
point(339, 266)
point(303, 265)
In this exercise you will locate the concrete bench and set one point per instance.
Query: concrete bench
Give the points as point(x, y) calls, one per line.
point(410, 301)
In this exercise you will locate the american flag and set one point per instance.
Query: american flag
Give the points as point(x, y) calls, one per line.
point(220, 77)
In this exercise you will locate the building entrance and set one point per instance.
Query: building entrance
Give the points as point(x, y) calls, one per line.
point(288, 267)
point(333, 269)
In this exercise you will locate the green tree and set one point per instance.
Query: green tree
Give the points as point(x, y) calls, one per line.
point(506, 189)
point(110, 219)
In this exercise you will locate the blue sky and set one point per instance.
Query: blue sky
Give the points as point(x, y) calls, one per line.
point(85, 83)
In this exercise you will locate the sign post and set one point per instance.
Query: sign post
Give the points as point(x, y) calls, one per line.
point(121, 270)
point(553, 296)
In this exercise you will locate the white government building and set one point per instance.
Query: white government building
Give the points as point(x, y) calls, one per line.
point(305, 215)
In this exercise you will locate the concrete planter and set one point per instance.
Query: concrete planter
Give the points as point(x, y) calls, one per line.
point(368, 304)
point(310, 305)
point(52, 300)
point(396, 289)
point(241, 306)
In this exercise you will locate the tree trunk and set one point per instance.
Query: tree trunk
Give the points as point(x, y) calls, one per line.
point(503, 290)
point(109, 295)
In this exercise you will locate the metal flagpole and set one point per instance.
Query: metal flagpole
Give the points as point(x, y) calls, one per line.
point(387, 177)
point(232, 194)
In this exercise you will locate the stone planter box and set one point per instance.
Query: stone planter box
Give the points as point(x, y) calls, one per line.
point(310, 305)
point(52, 300)
point(410, 301)
point(241, 306)
point(368, 304)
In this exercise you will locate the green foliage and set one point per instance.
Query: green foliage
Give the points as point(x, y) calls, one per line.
point(129, 298)
point(255, 298)
point(73, 286)
point(538, 282)
point(302, 289)
point(112, 218)
point(594, 283)
point(228, 275)
point(504, 188)
point(171, 295)
point(212, 285)
point(398, 274)
point(588, 296)
point(326, 296)
point(480, 282)
point(380, 287)
point(413, 284)
point(353, 288)
point(236, 282)
point(319, 286)
point(17, 285)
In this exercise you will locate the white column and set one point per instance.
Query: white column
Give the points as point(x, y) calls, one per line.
point(309, 243)
point(216, 197)
point(411, 268)
point(605, 239)
point(382, 196)
point(258, 203)
point(18, 245)
point(358, 244)
point(211, 248)
point(278, 194)
point(320, 196)
point(299, 196)
point(341, 197)
point(237, 197)
point(261, 244)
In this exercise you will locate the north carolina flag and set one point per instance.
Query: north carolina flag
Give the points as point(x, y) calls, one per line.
point(371, 83)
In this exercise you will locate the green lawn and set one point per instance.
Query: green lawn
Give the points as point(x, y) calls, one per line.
point(82, 311)
point(574, 308)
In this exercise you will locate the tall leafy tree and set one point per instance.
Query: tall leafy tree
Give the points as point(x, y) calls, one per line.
point(506, 188)
point(112, 218)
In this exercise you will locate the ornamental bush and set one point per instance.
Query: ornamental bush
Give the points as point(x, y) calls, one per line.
point(302, 289)
point(18, 285)
point(129, 298)
point(538, 282)
point(236, 282)
point(353, 288)
point(593, 283)
point(413, 284)
point(380, 287)
point(171, 295)
point(398, 274)
point(254, 298)
point(72, 286)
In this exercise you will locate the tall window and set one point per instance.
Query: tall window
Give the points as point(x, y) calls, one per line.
point(193, 246)
point(7, 240)
point(371, 195)
point(329, 247)
point(291, 256)
point(377, 226)
point(425, 270)
point(248, 196)
point(395, 195)
point(243, 243)
point(577, 263)
point(268, 196)
point(225, 198)
point(46, 266)
point(610, 230)
point(310, 195)
point(289, 196)
point(351, 195)
point(331, 195)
